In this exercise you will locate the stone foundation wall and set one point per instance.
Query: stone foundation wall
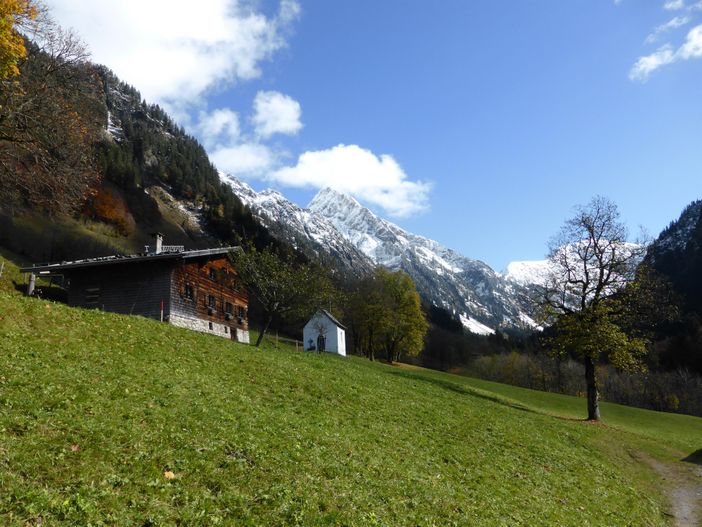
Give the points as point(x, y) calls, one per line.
point(213, 328)
point(242, 335)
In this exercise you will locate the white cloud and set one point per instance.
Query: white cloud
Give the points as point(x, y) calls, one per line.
point(378, 180)
point(691, 49)
point(219, 126)
point(674, 5)
point(174, 51)
point(649, 63)
point(276, 113)
point(243, 154)
point(247, 159)
point(674, 23)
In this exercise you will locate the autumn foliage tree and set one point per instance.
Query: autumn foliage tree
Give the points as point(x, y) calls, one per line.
point(13, 14)
point(51, 117)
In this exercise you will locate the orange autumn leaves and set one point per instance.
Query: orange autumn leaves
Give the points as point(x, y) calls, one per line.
point(12, 48)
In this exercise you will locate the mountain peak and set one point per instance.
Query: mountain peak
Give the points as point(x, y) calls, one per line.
point(336, 225)
point(328, 196)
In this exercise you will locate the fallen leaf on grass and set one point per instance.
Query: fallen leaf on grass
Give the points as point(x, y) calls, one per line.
point(75, 448)
point(168, 474)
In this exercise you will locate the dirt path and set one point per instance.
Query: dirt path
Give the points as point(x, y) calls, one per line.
point(683, 486)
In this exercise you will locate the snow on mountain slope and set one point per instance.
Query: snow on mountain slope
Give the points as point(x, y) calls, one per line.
point(481, 298)
point(528, 272)
point(301, 227)
point(336, 227)
point(476, 327)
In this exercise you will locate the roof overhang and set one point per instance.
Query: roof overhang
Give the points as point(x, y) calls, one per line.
point(332, 318)
point(65, 267)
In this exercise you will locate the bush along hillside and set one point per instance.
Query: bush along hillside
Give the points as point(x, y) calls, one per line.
point(115, 420)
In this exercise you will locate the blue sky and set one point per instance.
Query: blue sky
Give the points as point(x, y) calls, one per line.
point(479, 124)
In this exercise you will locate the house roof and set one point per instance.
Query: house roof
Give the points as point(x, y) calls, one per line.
point(331, 317)
point(118, 259)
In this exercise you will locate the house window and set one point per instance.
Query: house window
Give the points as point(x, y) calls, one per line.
point(211, 301)
point(211, 327)
point(226, 329)
point(189, 292)
point(228, 308)
point(92, 295)
point(213, 274)
point(241, 312)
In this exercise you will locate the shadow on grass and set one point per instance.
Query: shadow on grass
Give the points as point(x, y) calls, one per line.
point(55, 293)
point(456, 388)
point(695, 457)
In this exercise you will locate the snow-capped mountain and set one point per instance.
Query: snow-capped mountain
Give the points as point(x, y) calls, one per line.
point(474, 292)
point(339, 229)
point(302, 228)
point(540, 273)
point(528, 272)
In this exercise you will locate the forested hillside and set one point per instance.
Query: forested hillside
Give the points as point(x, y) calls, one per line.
point(677, 254)
point(87, 167)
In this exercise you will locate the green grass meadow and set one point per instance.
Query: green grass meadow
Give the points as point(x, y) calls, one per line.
point(114, 420)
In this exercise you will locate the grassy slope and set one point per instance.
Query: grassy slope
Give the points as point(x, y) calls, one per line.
point(95, 408)
point(681, 432)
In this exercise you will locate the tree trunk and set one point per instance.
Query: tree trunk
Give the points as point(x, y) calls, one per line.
point(371, 345)
point(263, 331)
point(593, 394)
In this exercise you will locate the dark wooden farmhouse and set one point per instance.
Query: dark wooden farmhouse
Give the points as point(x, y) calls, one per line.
point(192, 289)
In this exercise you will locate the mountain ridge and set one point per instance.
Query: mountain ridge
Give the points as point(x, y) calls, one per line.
point(338, 225)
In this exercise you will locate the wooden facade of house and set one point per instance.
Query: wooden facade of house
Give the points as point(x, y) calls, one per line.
point(192, 289)
point(205, 296)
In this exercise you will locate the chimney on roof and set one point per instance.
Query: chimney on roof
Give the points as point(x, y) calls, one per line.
point(159, 242)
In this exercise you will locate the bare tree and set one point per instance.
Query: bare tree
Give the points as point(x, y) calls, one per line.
point(591, 261)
